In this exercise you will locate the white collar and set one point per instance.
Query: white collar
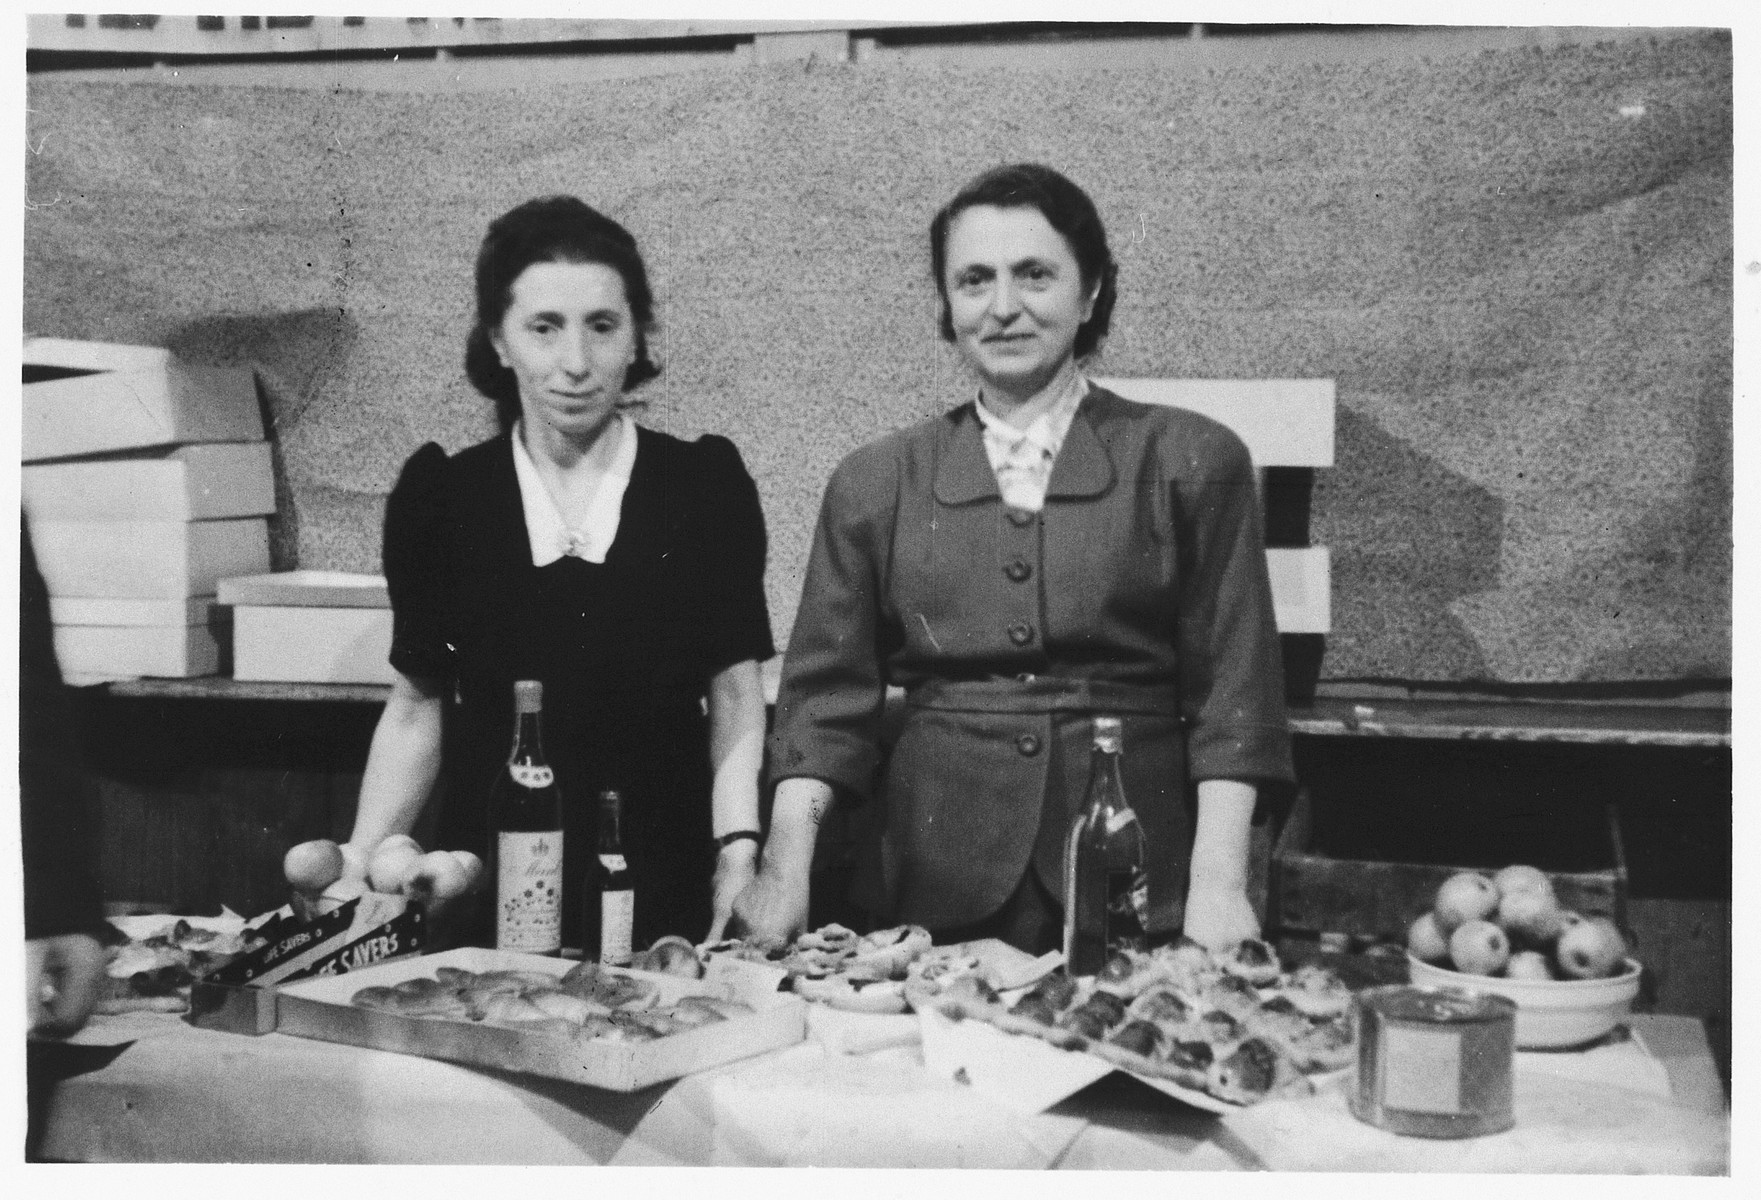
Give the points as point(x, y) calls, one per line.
point(549, 536)
point(1046, 431)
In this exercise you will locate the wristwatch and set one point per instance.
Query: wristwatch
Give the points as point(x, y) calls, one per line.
point(739, 835)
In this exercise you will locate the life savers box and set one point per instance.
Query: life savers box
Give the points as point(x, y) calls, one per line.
point(180, 483)
point(310, 627)
point(147, 560)
point(1314, 892)
point(363, 932)
point(321, 1009)
point(92, 397)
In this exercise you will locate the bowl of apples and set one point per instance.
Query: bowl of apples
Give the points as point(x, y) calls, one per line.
point(1570, 975)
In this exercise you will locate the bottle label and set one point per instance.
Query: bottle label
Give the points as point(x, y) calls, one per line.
point(617, 926)
point(529, 891)
point(531, 775)
point(613, 862)
point(1119, 818)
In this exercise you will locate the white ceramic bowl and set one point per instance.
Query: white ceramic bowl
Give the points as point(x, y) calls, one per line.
point(1550, 1013)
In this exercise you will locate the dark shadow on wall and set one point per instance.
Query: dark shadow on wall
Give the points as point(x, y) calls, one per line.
point(296, 355)
point(1408, 536)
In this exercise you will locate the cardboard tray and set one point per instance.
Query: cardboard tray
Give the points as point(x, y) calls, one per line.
point(320, 1009)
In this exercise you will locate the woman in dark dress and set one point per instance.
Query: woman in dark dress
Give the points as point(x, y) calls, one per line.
point(621, 567)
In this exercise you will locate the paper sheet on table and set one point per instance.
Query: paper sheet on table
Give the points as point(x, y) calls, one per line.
point(1562, 1126)
point(808, 1107)
point(1627, 1063)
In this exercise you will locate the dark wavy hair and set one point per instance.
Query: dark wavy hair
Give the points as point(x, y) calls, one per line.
point(550, 229)
point(1066, 208)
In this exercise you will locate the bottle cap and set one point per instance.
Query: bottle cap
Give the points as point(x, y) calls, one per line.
point(528, 696)
point(1109, 734)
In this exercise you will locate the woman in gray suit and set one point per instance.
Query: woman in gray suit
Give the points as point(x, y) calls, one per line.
point(1041, 554)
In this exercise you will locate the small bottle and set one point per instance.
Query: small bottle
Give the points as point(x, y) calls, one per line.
point(526, 824)
point(609, 899)
point(1105, 885)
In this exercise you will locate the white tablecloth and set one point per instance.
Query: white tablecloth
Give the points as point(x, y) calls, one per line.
point(179, 1094)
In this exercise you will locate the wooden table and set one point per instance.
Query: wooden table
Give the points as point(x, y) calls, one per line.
point(187, 1095)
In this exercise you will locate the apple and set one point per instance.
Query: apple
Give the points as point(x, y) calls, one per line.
point(1532, 917)
point(1464, 897)
point(1590, 949)
point(1528, 964)
point(1522, 879)
point(310, 867)
point(1425, 940)
point(473, 868)
point(398, 839)
point(390, 865)
point(1479, 947)
point(437, 875)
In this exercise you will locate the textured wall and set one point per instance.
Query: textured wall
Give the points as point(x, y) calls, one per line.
point(1515, 263)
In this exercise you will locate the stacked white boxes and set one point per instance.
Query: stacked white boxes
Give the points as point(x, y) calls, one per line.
point(146, 480)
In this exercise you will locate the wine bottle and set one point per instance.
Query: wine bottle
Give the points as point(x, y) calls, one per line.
point(1105, 886)
point(609, 897)
point(526, 827)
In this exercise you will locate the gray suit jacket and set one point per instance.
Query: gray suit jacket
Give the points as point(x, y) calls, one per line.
point(1140, 589)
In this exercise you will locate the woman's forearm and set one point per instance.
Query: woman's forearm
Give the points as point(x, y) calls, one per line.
point(1220, 838)
point(796, 813)
point(736, 746)
point(402, 763)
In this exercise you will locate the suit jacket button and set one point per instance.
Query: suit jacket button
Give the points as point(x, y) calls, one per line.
point(1020, 516)
point(1019, 570)
point(1028, 744)
point(1021, 633)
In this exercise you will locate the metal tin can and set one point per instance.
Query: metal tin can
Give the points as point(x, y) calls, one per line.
point(1435, 1062)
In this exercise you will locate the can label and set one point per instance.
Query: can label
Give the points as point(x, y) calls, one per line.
point(1421, 1069)
point(529, 891)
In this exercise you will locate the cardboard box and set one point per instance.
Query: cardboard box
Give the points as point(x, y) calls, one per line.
point(183, 483)
point(155, 406)
point(320, 589)
point(290, 644)
point(310, 627)
point(100, 610)
point(371, 929)
point(147, 560)
point(100, 653)
point(320, 1008)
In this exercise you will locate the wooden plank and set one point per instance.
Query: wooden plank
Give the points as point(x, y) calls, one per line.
point(216, 687)
point(1285, 422)
point(1512, 721)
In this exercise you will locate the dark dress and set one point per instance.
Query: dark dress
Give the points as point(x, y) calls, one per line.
point(625, 650)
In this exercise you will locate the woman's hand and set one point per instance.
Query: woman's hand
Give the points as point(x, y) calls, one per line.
point(1219, 917)
point(1218, 914)
point(772, 909)
point(735, 869)
point(62, 978)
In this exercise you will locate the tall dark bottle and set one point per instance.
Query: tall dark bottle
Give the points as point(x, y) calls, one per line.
point(526, 832)
point(1105, 886)
point(609, 899)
